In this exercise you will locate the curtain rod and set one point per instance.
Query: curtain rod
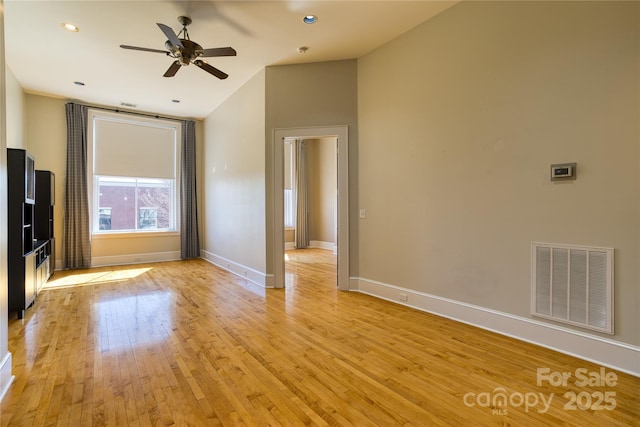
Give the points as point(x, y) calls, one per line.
point(116, 110)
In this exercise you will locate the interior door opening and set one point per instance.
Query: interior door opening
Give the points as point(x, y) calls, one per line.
point(311, 209)
point(339, 134)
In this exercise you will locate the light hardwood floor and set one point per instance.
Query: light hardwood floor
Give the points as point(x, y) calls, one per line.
point(187, 344)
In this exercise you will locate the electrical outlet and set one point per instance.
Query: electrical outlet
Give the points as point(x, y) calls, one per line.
point(403, 297)
point(363, 213)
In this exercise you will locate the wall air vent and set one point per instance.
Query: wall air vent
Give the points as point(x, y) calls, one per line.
point(573, 285)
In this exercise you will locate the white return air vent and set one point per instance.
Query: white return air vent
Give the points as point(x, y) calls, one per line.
point(573, 284)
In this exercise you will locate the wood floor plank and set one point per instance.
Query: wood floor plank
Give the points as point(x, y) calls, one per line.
point(188, 344)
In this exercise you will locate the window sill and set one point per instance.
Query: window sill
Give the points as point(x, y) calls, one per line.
point(136, 235)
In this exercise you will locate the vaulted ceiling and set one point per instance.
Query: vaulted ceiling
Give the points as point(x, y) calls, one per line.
point(47, 59)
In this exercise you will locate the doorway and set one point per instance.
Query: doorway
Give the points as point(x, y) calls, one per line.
point(342, 241)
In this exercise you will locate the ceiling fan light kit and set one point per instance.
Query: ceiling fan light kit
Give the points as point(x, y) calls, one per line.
point(185, 51)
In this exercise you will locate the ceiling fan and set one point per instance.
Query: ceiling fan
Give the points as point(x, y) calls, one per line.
point(186, 51)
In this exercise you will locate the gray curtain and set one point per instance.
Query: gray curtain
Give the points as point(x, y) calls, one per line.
point(189, 240)
point(300, 196)
point(76, 245)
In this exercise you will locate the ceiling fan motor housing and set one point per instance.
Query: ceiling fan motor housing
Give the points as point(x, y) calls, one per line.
point(190, 51)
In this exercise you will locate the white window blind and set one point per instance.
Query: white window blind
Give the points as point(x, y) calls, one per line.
point(134, 149)
point(134, 168)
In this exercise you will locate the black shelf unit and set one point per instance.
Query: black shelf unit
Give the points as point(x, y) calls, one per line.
point(20, 232)
point(43, 219)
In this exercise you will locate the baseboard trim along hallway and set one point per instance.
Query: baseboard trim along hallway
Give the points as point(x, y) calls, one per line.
point(243, 271)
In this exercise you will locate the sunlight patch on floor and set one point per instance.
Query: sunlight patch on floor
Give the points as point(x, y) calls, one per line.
point(93, 278)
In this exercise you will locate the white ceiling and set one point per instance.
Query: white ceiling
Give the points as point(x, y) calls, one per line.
point(46, 59)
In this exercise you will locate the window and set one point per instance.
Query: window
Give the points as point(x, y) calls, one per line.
point(104, 219)
point(289, 210)
point(134, 173)
point(136, 203)
point(148, 218)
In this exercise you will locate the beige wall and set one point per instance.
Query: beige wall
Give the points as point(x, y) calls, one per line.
point(234, 177)
point(308, 95)
point(323, 185)
point(289, 235)
point(15, 109)
point(459, 122)
point(46, 139)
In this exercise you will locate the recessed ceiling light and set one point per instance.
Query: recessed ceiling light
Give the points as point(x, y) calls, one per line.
point(78, 83)
point(70, 27)
point(310, 19)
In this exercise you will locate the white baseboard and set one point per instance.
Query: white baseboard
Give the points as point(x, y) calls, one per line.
point(6, 379)
point(606, 352)
point(288, 246)
point(322, 245)
point(134, 258)
point(255, 276)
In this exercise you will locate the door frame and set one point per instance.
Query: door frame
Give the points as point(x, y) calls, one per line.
point(313, 132)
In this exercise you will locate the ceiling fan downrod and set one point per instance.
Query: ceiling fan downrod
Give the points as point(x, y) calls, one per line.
point(185, 21)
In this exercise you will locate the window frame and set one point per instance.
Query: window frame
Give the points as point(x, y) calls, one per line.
point(92, 178)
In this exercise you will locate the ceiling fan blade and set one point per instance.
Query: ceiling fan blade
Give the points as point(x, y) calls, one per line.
point(210, 69)
point(219, 51)
point(171, 35)
point(144, 49)
point(173, 69)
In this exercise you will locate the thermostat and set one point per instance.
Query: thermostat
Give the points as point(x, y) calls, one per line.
point(563, 171)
